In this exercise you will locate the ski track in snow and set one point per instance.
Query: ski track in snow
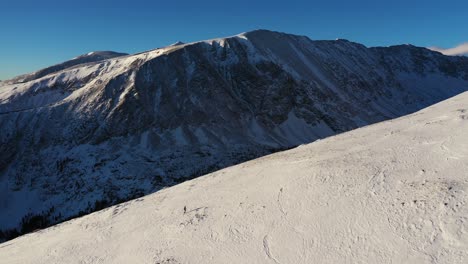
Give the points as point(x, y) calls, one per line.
point(280, 206)
point(266, 247)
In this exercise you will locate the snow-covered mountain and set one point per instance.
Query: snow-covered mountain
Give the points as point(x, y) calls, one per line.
point(90, 57)
point(83, 136)
point(393, 192)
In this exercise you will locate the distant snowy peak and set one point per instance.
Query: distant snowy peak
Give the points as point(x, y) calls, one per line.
point(177, 43)
point(90, 57)
point(100, 55)
point(264, 32)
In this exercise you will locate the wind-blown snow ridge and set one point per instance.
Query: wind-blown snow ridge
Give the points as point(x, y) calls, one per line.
point(394, 192)
point(90, 57)
point(461, 49)
point(84, 137)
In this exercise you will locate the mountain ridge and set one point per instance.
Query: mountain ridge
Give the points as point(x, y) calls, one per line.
point(94, 56)
point(112, 54)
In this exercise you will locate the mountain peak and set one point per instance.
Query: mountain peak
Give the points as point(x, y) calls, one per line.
point(107, 54)
point(177, 43)
point(90, 57)
point(262, 33)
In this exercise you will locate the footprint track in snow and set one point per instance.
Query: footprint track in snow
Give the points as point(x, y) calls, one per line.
point(267, 250)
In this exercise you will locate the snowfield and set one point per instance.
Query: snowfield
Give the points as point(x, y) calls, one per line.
point(393, 192)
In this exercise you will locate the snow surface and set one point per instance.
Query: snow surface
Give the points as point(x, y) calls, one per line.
point(394, 192)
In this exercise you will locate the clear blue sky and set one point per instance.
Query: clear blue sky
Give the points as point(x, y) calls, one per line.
point(36, 34)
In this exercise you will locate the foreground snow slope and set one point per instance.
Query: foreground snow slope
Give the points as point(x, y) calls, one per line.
point(394, 192)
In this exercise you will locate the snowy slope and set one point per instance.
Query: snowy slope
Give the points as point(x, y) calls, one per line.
point(393, 192)
point(90, 57)
point(84, 137)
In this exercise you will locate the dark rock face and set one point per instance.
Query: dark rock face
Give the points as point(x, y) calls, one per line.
point(80, 138)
